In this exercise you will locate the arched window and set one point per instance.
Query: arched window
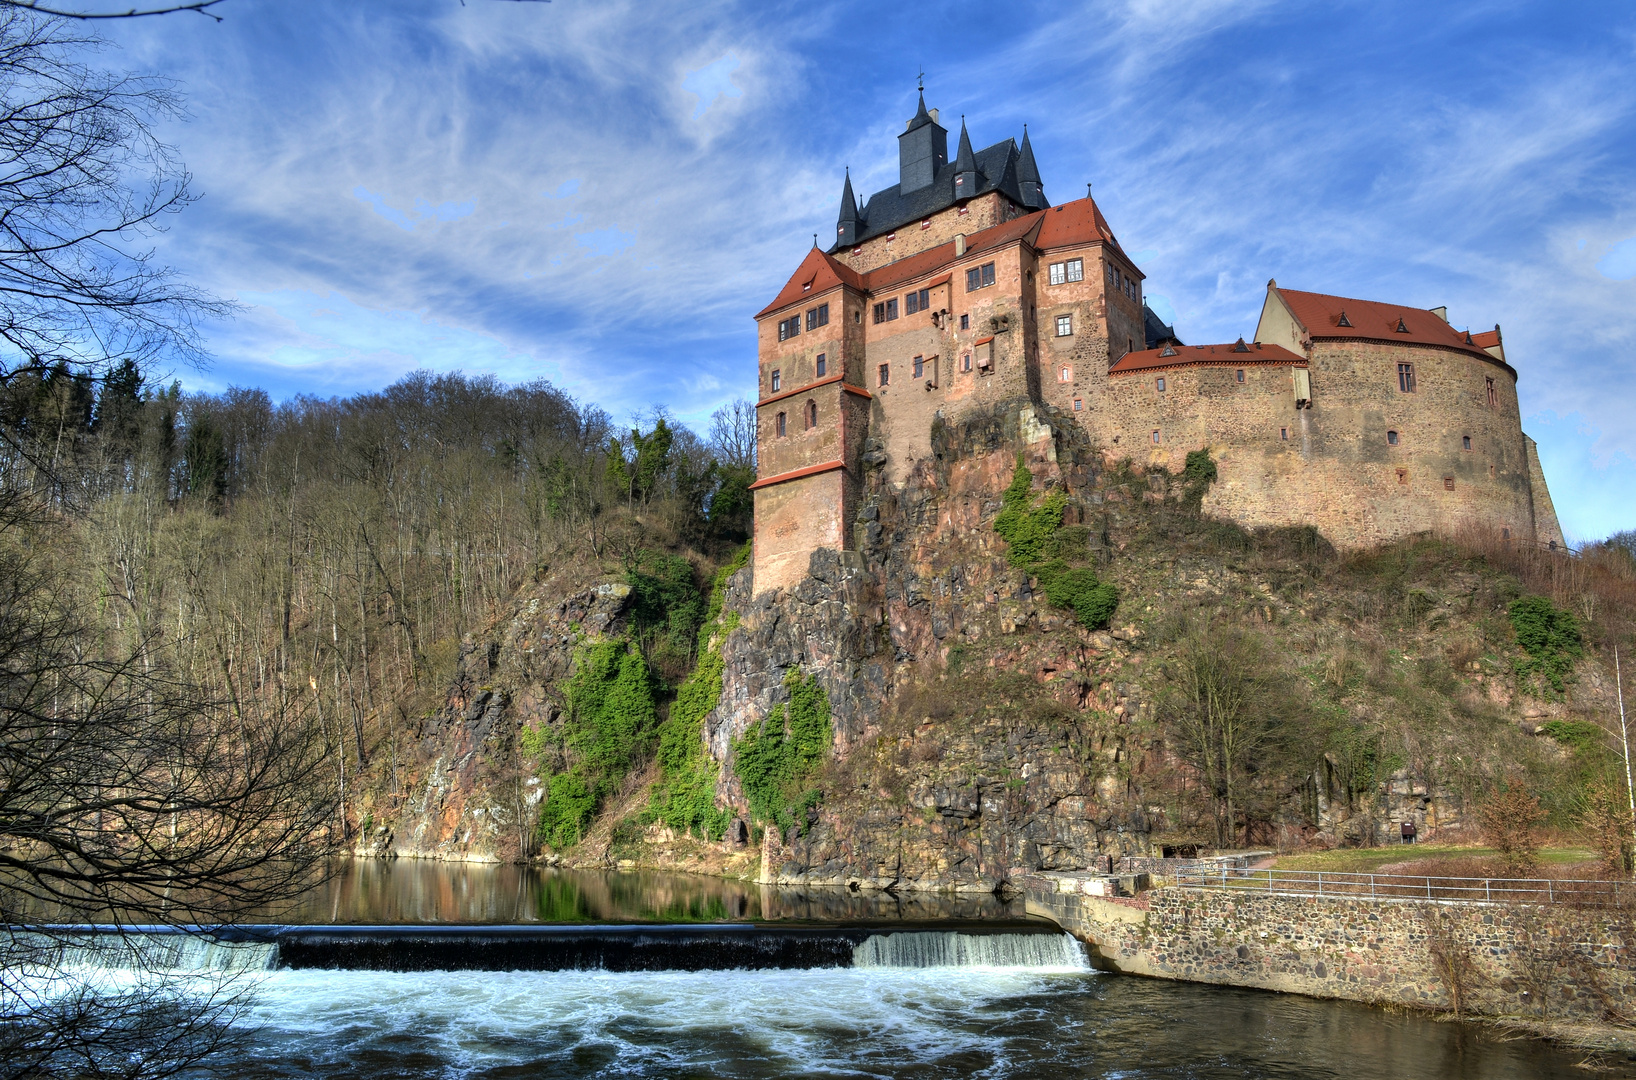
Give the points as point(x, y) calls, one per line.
point(812, 414)
point(778, 425)
point(1391, 438)
point(1465, 442)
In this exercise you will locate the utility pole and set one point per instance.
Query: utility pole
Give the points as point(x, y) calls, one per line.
point(1624, 734)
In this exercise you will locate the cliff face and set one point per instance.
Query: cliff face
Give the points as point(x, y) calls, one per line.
point(980, 732)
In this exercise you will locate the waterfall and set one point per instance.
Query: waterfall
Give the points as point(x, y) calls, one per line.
point(162, 951)
point(918, 949)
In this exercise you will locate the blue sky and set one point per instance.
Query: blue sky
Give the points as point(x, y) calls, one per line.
point(602, 193)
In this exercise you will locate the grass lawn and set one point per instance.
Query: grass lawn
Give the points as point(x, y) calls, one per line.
point(1368, 860)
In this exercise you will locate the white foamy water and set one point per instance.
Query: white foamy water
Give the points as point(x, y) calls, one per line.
point(183, 953)
point(922, 949)
point(879, 1021)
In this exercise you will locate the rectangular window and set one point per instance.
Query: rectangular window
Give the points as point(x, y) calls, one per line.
point(926, 223)
point(821, 365)
point(1240, 374)
point(925, 299)
point(880, 313)
point(1065, 374)
point(1079, 405)
point(965, 362)
point(1448, 483)
point(891, 309)
point(1283, 433)
point(1059, 273)
point(1065, 325)
point(1155, 438)
point(1405, 378)
point(1465, 442)
point(788, 328)
point(965, 322)
point(885, 374)
point(1076, 269)
point(780, 425)
point(1403, 476)
point(911, 303)
point(777, 381)
point(979, 277)
point(1159, 384)
point(1493, 394)
point(920, 366)
point(1113, 275)
point(818, 316)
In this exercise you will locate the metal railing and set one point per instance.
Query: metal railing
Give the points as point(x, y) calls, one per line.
point(1408, 887)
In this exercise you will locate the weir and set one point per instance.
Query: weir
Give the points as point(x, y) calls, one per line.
point(698, 947)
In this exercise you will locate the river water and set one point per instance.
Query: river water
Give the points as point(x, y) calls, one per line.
point(914, 987)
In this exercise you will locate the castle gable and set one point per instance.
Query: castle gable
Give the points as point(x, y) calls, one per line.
point(817, 273)
point(1077, 222)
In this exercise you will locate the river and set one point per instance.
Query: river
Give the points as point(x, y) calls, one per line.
point(909, 986)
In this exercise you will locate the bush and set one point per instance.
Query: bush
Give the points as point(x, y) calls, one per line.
point(777, 761)
point(1510, 820)
point(1034, 532)
point(665, 602)
point(1550, 637)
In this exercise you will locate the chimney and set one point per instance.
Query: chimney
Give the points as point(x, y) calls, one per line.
point(1442, 312)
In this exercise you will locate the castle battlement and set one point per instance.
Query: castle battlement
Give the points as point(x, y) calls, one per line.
point(962, 287)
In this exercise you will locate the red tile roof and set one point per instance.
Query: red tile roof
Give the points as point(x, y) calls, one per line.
point(1206, 356)
point(1078, 222)
point(1487, 339)
point(821, 273)
point(1369, 320)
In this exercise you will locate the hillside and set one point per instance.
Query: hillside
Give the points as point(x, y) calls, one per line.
point(927, 713)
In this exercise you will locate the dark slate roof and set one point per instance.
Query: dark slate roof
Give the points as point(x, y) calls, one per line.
point(1156, 332)
point(890, 209)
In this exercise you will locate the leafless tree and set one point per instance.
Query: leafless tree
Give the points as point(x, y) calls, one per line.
point(733, 434)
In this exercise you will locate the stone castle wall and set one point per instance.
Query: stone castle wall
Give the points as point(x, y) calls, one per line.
point(1539, 960)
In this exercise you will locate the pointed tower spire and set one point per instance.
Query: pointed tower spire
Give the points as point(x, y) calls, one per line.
point(848, 225)
point(1028, 176)
point(922, 116)
point(923, 149)
point(966, 178)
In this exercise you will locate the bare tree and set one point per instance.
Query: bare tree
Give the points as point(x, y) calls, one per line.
point(733, 434)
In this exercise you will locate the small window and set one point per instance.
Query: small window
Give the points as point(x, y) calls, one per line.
point(1155, 438)
point(1448, 483)
point(925, 299)
point(1403, 476)
point(1159, 384)
point(1465, 442)
point(1391, 438)
point(1065, 325)
point(821, 364)
point(979, 277)
point(818, 316)
point(1493, 394)
point(965, 362)
point(880, 313)
point(964, 210)
point(778, 425)
point(925, 223)
point(1059, 273)
point(778, 381)
point(1405, 378)
point(917, 301)
point(965, 322)
point(1239, 375)
point(788, 328)
point(812, 414)
point(1079, 405)
point(891, 309)
point(1113, 275)
point(920, 366)
point(885, 374)
point(1065, 374)
point(1283, 433)
point(1076, 269)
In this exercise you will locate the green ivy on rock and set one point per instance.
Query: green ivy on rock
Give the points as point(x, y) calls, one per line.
point(777, 761)
point(1031, 533)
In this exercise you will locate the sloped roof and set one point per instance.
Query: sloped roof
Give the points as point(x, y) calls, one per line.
point(1487, 339)
point(1371, 320)
point(924, 262)
point(1227, 355)
point(817, 273)
point(1077, 222)
point(890, 208)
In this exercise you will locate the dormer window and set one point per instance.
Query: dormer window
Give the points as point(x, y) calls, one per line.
point(807, 287)
point(778, 380)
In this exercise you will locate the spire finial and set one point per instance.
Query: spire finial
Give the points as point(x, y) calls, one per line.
point(814, 239)
point(921, 80)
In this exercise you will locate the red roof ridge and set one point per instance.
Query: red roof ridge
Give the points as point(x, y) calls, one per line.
point(821, 272)
point(1328, 317)
point(1223, 355)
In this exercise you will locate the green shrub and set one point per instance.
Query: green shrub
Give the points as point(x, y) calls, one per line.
point(1034, 532)
point(665, 603)
point(1550, 637)
point(685, 796)
point(778, 760)
point(569, 804)
point(1199, 470)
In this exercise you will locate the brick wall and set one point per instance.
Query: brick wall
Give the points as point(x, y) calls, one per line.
point(1520, 959)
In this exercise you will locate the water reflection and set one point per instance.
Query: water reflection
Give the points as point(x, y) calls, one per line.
point(422, 891)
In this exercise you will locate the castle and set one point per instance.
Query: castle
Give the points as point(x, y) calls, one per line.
point(961, 287)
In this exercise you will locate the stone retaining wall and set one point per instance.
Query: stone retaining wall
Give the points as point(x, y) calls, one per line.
point(1498, 959)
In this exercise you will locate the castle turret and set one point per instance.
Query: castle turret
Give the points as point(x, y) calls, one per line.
point(848, 225)
point(1028, 175)
point(966, 177)
point(923, 149)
